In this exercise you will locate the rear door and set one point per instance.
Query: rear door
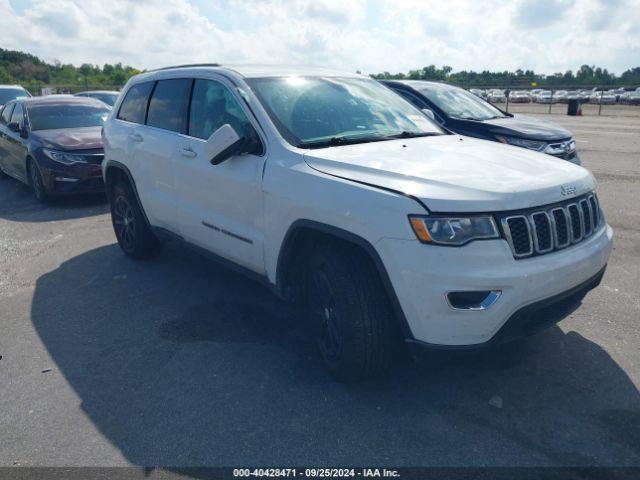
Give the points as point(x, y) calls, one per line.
point(159, 150)
point(124, 140)
point(221, 205)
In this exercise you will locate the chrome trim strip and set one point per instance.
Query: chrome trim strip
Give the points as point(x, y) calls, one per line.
point(227, 232)
point(593, 205)
point(567, 223)
point(585, 202)
point(487, 303)
point(575, 239)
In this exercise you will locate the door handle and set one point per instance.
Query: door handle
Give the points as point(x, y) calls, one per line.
point(136, 137)
point(188, 152)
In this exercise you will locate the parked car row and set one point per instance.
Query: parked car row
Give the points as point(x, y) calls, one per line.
point(353, 197)
point(538, 95)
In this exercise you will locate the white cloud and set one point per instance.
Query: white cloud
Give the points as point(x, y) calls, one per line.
point(372, 36)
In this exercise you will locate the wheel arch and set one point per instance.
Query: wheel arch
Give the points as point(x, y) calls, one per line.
point(301, 237)
point(115, 171)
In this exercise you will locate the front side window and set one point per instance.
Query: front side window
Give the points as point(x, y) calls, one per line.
point(6, 113)
point(169, 105)
point(458, 103)
point(134, 105)
point(322, 111)
point(67, 115)
point(212, 106)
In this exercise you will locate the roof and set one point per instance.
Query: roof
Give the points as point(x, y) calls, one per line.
point(115, 92)
point(420, 83)
point(12, 86)
point(65, 99)
point(253, 71)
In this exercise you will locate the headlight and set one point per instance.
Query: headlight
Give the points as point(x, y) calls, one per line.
point(522, 142)
point(453, 230)
point(64, 157)
point(561, 148)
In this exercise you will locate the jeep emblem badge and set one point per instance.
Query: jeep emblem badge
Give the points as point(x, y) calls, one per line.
point(567, 190)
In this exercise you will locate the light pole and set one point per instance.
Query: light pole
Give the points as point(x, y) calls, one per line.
point(86, 87)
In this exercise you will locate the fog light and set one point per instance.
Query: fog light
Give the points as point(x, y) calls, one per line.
point(473, 300)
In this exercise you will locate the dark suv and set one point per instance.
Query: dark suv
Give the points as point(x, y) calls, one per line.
point(53, 144)
point(464, 113)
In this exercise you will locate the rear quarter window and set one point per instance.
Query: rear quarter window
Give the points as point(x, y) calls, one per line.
point(134, 105)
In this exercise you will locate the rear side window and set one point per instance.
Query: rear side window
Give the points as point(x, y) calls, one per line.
point(134, 105)
point(6, 113)
point(169, 105)
point(212, 106)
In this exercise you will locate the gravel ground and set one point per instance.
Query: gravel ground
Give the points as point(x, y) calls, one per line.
point(180, 362)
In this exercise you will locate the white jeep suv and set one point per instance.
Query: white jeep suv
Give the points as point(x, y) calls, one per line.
point(337, 192)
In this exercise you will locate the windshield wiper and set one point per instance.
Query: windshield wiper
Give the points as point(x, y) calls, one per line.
point(339, 140)
point(410, 134)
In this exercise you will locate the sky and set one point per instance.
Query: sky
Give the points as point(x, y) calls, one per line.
point(371, 36)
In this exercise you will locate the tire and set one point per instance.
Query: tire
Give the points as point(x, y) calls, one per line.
point(352, 318)
point(130, 225)
point(35, 179)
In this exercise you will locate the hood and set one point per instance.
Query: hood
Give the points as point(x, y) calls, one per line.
point(85, 138)
point(450, 173)
point(526, 127)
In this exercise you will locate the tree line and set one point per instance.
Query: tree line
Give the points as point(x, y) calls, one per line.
point(33, 73)
point(585, 76)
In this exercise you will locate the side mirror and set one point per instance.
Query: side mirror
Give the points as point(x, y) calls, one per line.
point(223, 144)
point(13, 126)
point(429, 113)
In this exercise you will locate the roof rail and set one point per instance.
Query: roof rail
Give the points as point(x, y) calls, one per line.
point(185, 66)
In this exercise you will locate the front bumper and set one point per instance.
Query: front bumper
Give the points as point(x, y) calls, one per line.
point(60, 179)
point(422, 275)
point(529, 319)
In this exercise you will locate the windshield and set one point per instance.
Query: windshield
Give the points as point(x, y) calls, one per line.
point(53, 116)
point(8, 94)
point(108, 98)
point(458, 103)
point(317, 111)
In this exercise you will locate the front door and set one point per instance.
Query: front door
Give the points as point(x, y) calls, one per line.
point(156, 151)
point(6, 162)
point(15, 145)
point(221, 205)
